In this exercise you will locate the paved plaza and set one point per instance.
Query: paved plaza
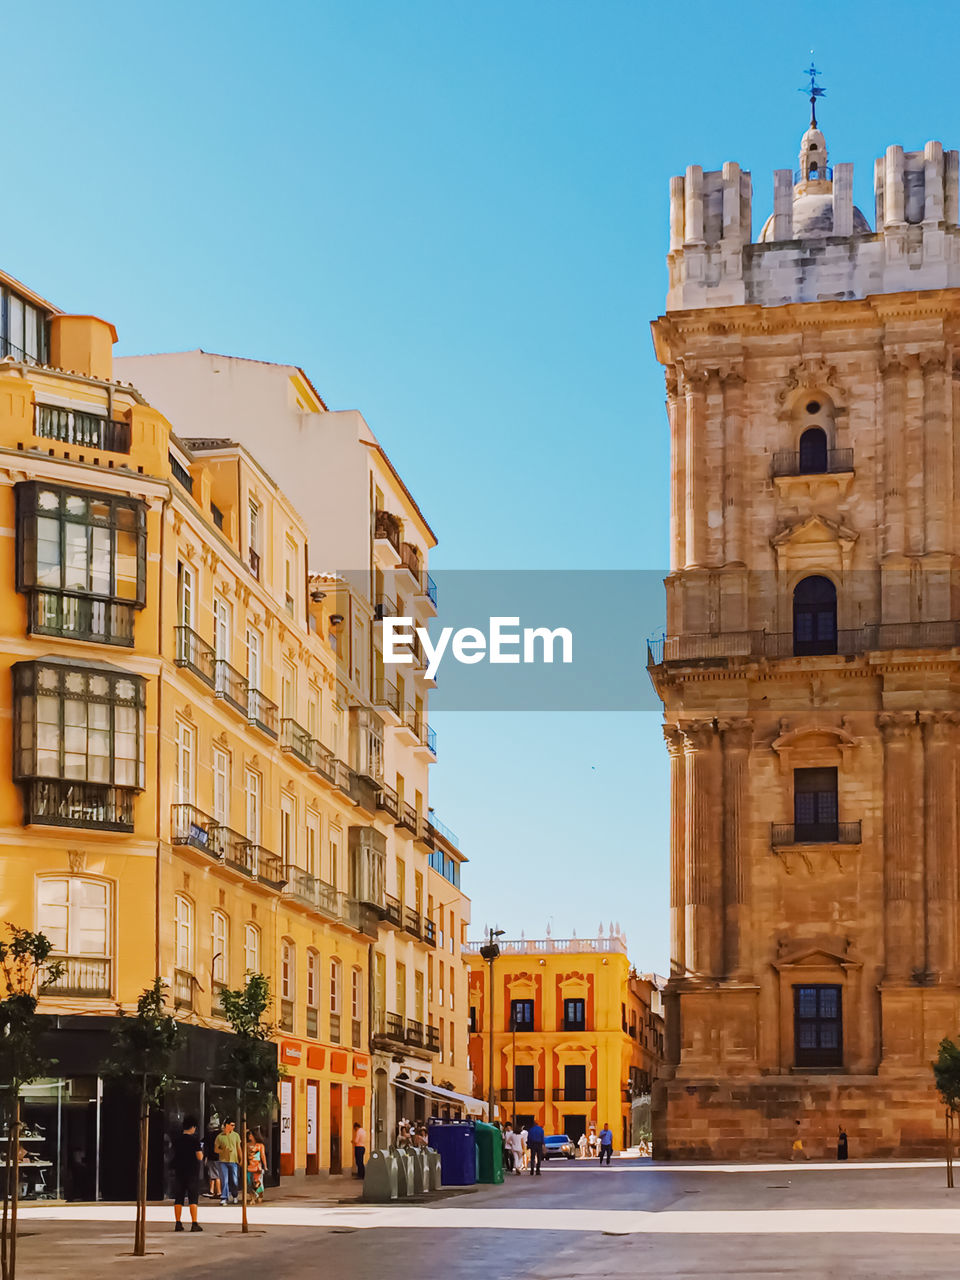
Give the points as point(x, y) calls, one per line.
point(635, 1218)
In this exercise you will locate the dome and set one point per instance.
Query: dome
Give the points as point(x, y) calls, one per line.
point(813, 218)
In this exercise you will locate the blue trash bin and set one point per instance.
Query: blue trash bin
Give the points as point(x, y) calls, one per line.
point(455, 1140)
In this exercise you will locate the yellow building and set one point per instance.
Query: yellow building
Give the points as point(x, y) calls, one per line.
point(196, 786)
point(576, 1032)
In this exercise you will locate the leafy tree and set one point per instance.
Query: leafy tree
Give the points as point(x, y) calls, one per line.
point(26, 969)
point(946, 1075)
point(144, 1047)
point(250, 1060)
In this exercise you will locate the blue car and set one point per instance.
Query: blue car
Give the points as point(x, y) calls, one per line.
point(558, 1144)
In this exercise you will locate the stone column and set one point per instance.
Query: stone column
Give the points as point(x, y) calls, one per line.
point(695, 460)
point(894, 427)
point(737, 735)
point(702, 860)
point(676, 413)
point(674, 741)
point(734, 461)
point(936, 456)
point(939, 842)
point(913, 438)
point(902, 922)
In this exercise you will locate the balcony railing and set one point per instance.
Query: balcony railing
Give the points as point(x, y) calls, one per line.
point(386, 694)
point(391, 1026)
point(429, 588)
point(262, 712)
point(408, 818)
point(231, 686)
point(787, 833)
point(295, 739)
point(356, 1033)
point(392, 911)
point(78, 617)
point(431, 1039)
point(414, 1033)
point(429, 932)
point(189, 825)
point(55, 802)
point(312, 891)
point(86, 429)
point(874, 637)
point(266, 866)
point(334, 1028)
point(81, 976)
point(411, 921)
point(574, 1095)
point(196, 655)
point(388, 800)
point(286, 1015)
point(387, 525)
point(790, 462)
point(384, 608)
point(410, 559)
point(430, 742)
point(521, 1095)
point(183, 985)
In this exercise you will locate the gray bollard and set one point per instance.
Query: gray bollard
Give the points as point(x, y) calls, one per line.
point(419, 1171)
point(404, 1172)
point(434, 1176)
point(380, 1177)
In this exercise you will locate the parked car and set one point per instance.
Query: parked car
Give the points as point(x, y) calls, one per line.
point(558, 1144)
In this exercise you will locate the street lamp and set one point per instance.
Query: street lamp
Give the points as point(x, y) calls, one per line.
point(490, 952)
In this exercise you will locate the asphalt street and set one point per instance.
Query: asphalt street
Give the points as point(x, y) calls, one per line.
point(577, 1220)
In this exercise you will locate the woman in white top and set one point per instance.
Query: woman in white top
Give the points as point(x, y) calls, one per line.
point(514, 1142)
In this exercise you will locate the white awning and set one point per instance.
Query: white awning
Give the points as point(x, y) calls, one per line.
point(427, 1090)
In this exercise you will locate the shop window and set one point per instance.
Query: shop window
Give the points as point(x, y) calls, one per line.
point(78, 743)
point(81, 560)
point(818, 1026)
point(74, 913)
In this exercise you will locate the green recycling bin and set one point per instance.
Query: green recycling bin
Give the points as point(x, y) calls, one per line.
point(489, 1152)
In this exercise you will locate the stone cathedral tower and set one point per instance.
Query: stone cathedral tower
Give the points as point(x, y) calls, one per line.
point(810, 674)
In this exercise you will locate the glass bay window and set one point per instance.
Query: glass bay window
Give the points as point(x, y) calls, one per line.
point(81, 559)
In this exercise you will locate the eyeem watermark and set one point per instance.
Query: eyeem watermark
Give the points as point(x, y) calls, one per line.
point(503, 642)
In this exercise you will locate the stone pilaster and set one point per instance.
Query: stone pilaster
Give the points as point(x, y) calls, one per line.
point(702, 849)
point(674, 741)
point(894, 407)
point(903, 938)
point(695, 463)
point(936, 454)
point(736, 736)
point(939, 843)
point(734, 461)
point(911, 428)
point(676, 413)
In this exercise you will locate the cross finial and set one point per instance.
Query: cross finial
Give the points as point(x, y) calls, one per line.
point(813, 90)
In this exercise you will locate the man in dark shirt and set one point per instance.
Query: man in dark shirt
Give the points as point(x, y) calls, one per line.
point(535, 1141)
point(186, 1163)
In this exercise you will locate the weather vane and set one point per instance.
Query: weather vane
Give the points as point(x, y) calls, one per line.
point(813, 90)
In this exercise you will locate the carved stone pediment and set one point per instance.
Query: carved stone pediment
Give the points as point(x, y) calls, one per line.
point(813, 544)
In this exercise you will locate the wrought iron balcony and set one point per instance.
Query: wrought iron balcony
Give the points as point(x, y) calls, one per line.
point(389, 1026)
point(429, 932)
point(791, 462)
point(387, 526)
point(196, 655)
point(384, 608)
point(411, 921)
point(183, 988)
point(414, 1033)
point(788, 833)
point(392, 911)
point(574, 1095)
point(262, 713)
point(55, 802)
point(521, 1095)
point(266, 866)
point(431, 1039)
point(231, 686)
point(408, 818)
point(295, 739)
point(386, 694)
point(87, 429)
point(388, 801)
point(80, 976)
point(312, 891)
point(81, 617)
point(875, 637)
point(190, 826)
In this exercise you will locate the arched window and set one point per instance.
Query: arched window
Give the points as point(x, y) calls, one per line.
point(288, 970)
point(814, 616)
point(813, 451)
point(220, 948)
point(74, 913)
point(251, 949)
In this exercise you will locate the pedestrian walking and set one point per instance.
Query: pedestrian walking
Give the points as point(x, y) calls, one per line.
point(606, 1143)
point(211, 1165)
point(796, 1151)
point(187, 1166)
point(515, 1149)
point(594, 1142)
point(359, 1148)
point(525, 1147)
point(256, 1165)
point(841, 1143)
point(229, 1152)
point(582, 1146)
point(508, 1148)
point(535, 1141)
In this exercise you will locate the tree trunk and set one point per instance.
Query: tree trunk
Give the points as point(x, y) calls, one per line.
point(243, 1171)
point(948, 1135)
point(15, 1188)
point(140, 1232)
point(7, 1175)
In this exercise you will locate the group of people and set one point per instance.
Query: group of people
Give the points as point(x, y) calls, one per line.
point(220, 1158)
point(798, 1152)
point(411, 1134)
point(596, 1144)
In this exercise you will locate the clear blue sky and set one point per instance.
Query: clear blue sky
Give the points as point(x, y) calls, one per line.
point(454, 216)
